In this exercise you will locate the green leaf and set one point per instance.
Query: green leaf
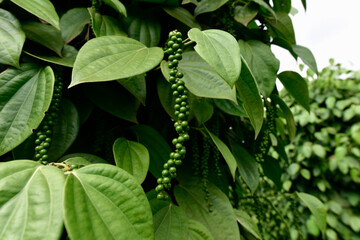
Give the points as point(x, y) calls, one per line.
point(244, 14)
point(43, 9)
point(204, 6)
point(266, 6)
point(262, 62)
point(296, 86)
point(200, 78)
point(306, 56)
point(105, 202)
point(272, 170)
point(44, 34)
point(117, 5)
point(114, 99)
point(202, 109)
point(319, 151)
point(247, 223)
point(197, 231)
point(31, 195)
point(25, 96)
point(65, 130)
point(156, 204)
point(247, 166)
point(184, 16)
point(136, 86)
point(12, 39)
point(166, 97)
point(103, 25)
point(221, 221)
point(282, 6)
point(316, 207)
point(220, 50)
point(88, 157)
point(225, 152)
point(304, 3)
point(68, 54)
point(170, 222)
point(146, 29)
point(133, 157)
point(113, 57)
point(249, 93)
point(157, 146)
point(230, 107)
point(291, 125)
point(77, 161)
point(282, 27)
point(72, 23)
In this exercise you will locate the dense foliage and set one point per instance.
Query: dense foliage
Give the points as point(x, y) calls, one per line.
point(326, 151)
point(147, 119)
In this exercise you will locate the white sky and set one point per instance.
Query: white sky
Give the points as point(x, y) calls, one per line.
point(330, 29)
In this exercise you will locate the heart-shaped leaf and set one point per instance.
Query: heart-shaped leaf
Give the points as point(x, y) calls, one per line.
point(25, 96)
point(105, 202)
point(133, 157)
point(113, 57)
point(204, 6)
point(220, 50)
point(11, 40)
point(31, 195)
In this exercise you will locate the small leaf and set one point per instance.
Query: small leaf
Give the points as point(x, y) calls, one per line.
point(220, 50)
point(44, 34)
point(204, 6)
point(296, 86)
point(250, 95)
point(202, 109)
point(72, 23)
point(197, 231)
point(247, 223)
point(88, 157)
point(225, 152)
point(117, 5)
point(316, 207)
point(247, 166)
point(136, 86)
point(319, 151)
point(105, 202)
point(282, 27)
point(200, 78)
point(146, 29)
point(230, 107)
point(306, 56)
point(266, 6)
point(25, 96)
point(272, 170)
point(11, 40)
point(113, 57)
point(291, 125)
point(170, 222)
point(244, 14)
point(133, 157)
point(157, 146)
point(31, 195)
point(43, 9)
point(184, 16)
point(221, 221)
point(103, 25)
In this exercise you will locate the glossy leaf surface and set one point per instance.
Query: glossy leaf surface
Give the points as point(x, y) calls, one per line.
point(72, 23)
point(104, 25)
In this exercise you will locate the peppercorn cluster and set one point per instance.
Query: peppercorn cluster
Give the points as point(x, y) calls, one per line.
point(43, 140)
point(181, 107)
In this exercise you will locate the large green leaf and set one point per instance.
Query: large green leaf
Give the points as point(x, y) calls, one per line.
point(145, 29)
point(262, 62)
point(72, 23)
point(170, 222)
point(291, 125)
point(225, 152)
point(247, 166)
point(230, 107)
point(113, 57)
point(103, 25)
point(316, 207)
point(159, 149)
point(136, 86)
point(282, 27)
point(221, 221)
point(117, 5)
point(297, 87)
point(204, 6)
point(133, 157)
point(183, 15)
point(220, 50)
point(65, 130)
point(197, 231)
point(306, 56)
point(67, 59)
point(200, 78)
point(25, 95)
point(250, 95)
point(31, 199)
point(12, 39)
point(244, 14)
point(44, 34)
point(43, 9)
point(247, 223)
point(105, 202)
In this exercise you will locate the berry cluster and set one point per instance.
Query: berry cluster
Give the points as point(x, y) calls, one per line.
point(205, 170)
point(174, 51)
point(43, 140)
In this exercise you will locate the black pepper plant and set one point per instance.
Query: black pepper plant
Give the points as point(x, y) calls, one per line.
point(144, 119)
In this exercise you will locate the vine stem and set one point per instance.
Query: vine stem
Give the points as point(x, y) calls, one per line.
point(187, 42)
